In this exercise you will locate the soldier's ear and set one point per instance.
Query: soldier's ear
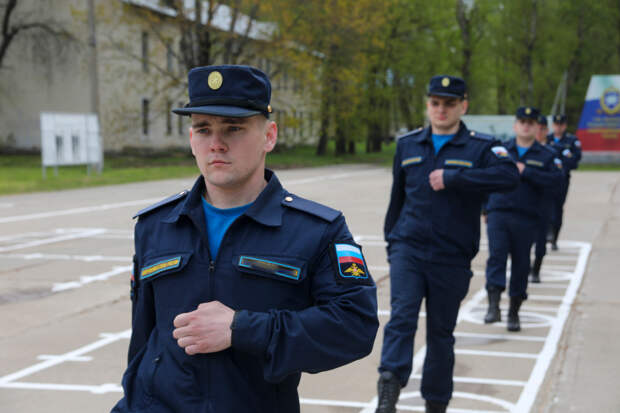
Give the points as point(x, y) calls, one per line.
point(271, 135)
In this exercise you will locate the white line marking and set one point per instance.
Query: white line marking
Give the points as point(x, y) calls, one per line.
point(550, 286)
point(545, 297)
point(469, 352)
point(518, 337)
point(6, 205)
point(517, 383)
point(52, 356)
point(87, 279)
point(100, 389)
point(67, 257)
point(85, 234)
point(75, 211)
point(340, 403)
point(529, 393)
point(493, 400)
point(62, 358)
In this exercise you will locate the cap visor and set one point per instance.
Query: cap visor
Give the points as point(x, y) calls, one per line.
point(444, 94)
point(228, 111)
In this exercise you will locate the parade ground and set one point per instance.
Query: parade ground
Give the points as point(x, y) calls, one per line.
point(65, 325)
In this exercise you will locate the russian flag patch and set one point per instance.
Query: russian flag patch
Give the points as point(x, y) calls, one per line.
point(349, 263)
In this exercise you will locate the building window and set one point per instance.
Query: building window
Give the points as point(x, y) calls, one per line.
point(168, 118)
point(145, 117)
point(145, 52)
point(180, 122)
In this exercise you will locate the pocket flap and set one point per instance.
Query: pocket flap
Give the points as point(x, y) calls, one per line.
point(164, 265)
point(289, 269)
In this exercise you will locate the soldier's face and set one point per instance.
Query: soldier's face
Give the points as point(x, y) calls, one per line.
point(541, 135)
point(231, 151)
point(559, 128)
point(445, 112)
point(526, 128)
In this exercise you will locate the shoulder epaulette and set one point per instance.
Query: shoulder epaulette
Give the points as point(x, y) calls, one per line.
point(161, 203)
point(311, 207)
point(482, 136)
point(410, 133)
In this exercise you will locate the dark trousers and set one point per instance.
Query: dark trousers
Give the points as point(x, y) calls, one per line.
point(510, 233)
point(558, 207)
point(444, 286)
point(543, 228)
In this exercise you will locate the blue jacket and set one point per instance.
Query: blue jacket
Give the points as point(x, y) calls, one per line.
point(569, 147)
point(444, 226)
point(277, 267)
point(542, 174)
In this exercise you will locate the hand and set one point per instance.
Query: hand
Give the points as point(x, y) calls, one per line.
point(521, 167)
point(436, 180)
point(204, 330)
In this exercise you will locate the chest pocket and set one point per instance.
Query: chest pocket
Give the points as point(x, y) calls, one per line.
point(286, 269)
point(453, 163)
point(163, 265)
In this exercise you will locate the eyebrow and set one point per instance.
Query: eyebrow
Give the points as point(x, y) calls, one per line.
point(230, 121)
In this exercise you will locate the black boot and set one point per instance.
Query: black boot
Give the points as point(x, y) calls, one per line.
point(536, 270)
point(554, 240)
point(513, 314)
point(388, 389)
point(493, 313)
point(434, 407)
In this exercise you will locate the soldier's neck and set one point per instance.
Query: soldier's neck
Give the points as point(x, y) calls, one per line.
point(525, 141)
point(225, 197)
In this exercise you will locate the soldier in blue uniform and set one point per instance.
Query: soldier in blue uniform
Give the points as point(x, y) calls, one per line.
point(513, 217)
point(570, 147)
point(239, 285)
point(440, 177)
point(546, 206)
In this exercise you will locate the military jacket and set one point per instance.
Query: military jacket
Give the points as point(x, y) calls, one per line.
point(444, 226)
point(542, 175)
point(569, 147)
point(281, 267)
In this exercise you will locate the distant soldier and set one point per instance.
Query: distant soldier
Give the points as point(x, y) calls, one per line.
point(569, 146)
point(441, 175)
point(513, 217)
point(546, 207)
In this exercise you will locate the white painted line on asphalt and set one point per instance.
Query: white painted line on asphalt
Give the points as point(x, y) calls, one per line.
point(332, 177)
point(517, 337)
point(545, 297)
point(103, 388)
point(75, 211)
point(488, 399)
point(67, 257)
point(87, 279)
point(550, 286)
point(51, 356)
point(61, 238)
point(335, 403)
point(6, 205)
point(529, 393)
point(487, 353)
point(109, 338)
point(474, 380)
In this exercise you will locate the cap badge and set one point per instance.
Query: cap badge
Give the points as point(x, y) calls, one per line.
point(528, 111)
point(445, 82)
point(269, 109)
point(215, 80)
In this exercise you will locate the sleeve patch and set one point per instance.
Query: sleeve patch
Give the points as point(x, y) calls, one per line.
point(578, 143)
point(349, 263)
point(558, 163)
point(567, 153)
point(500, 151)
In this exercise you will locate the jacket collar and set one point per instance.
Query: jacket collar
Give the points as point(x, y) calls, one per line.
point(266, 209)
point(461, 136)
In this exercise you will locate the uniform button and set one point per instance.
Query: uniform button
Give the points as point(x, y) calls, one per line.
point(288, 199)
point(472, 133)
point(156, 359)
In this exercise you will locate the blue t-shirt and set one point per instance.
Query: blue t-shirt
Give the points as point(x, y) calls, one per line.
point(557, 140)
point(218, 221)
point(522, 150)
point(440, 140)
